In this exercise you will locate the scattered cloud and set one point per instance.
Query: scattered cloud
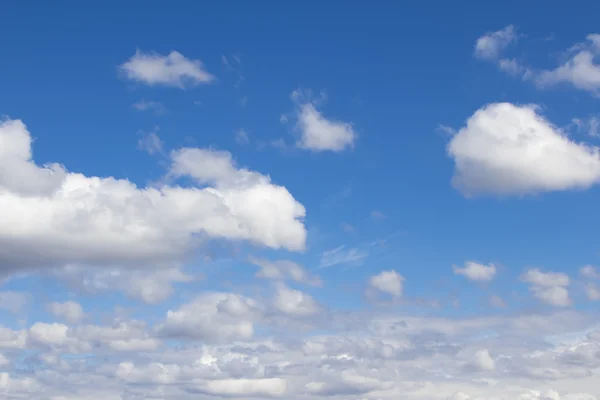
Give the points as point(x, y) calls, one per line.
point(70, 311)
point(580, 70)
point(173, 70)
point(549, 287)
point(147, 105)
point(52, 217)
point(151, 143)
point(491, 45)
point(590, 272)
point(294, 302)
point(346, 227)
point(378, 215)
point(592, 292)
point(590, 125)
point(317, 133)
point(284, 269)
point(506, 149)
point(476, 272)
point(497, 301)
point(341, 255)
point(388, 282)
point(241, 137)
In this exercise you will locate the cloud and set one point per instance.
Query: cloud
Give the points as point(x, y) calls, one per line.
point(213, 318)
point(52, 217)
point(241, 137)
point(151, 143)
point(171, 70)
point(590, 272)
point(580, 70)
point(497, 301)
point(341, 255)
point(284, 269)
point(476, 272)
point(14, 302)
point(388, 282)
point(506, 149)
point(147, 285)
point(591, 125)
point(491, 45)
point(148, 105)
point(592, 292)
point(318, 133)
point(483, 361)
point(294, 302)
point(69, 311)
point(549, 287)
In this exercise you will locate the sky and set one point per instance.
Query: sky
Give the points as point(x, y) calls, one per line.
point(299, 200)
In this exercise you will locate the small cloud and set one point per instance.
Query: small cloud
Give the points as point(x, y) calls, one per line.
point(378, 215)
point(347, 227)
point(445, 129)
point(243, 101)
point(476, 272)
point(341, 255)
point(389, 282)
point(173, 70)
point(144, 105)
point(592, 292)
point(492, 44)
point(241, 137)
point(150, 143)
point(496, 301)
point(548, 287)
point(590, 272)
point(318, 133)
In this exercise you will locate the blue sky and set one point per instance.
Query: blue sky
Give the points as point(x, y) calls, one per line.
point(192, 194)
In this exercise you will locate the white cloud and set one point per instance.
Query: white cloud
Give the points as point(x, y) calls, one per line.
point(14, 302)
point(590, 124)
point(294, 302)
point(318, 133)
point(52, 217)
point(149, 105)
point(389, 282)
point(506, 149)
point(592, 292)
point(341, 255)
point(69, 311)
point(4, 362)
point(149, 286)
point(284, 269)
point(213, 317)
point(150, 143)
point(476, 272)
point(171, 70)
point(491, 45)
point(482, 360)
point(590, 272)
point(549, 287)
point(580, 70)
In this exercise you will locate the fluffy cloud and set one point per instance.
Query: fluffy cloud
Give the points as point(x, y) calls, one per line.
point(318, 133)
point(580, 70)
point(69, 311)
point(549, 287)
point(52, 217)
point(294, 302)
point(213, 317)
point(482, 360)
point(149, 286)
point(506, 149)
point(389, 282)
point(491, 45)
point(476, 272)
point(284, 269)
point(171, 70)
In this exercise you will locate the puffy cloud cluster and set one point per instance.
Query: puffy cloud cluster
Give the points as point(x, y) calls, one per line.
point(52, 217)
point(506, 149)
